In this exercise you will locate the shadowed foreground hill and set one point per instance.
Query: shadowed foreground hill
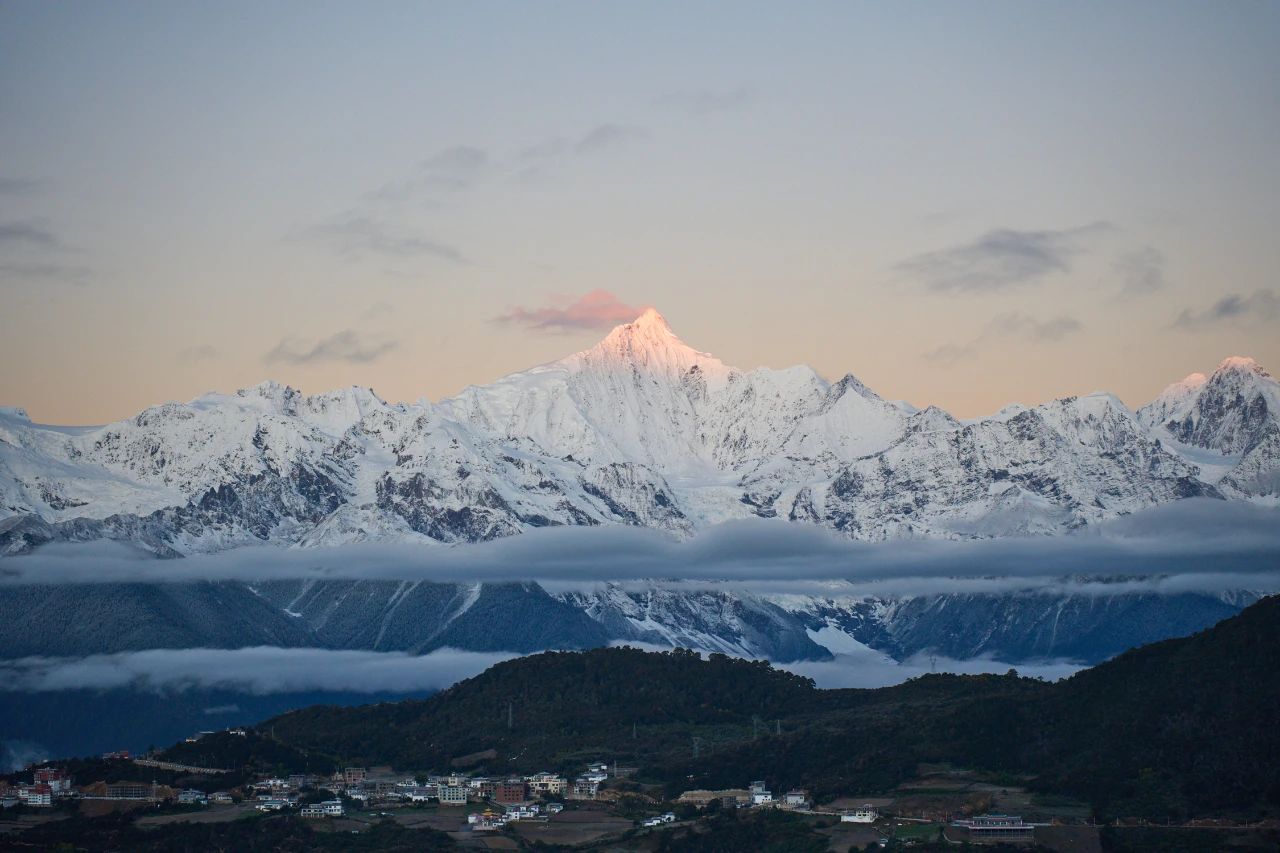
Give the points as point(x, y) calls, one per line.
point(1180, 728)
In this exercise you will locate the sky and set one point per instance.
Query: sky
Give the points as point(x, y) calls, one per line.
point(962, 204)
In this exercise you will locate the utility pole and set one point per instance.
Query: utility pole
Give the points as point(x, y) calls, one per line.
point(510, 715)
point(777, 727)
point(633, 731)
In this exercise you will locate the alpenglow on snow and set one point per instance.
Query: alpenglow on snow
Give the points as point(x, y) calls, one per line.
point(640, 429)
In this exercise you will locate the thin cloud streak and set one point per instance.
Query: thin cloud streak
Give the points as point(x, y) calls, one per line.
point(357, 235)
point(257, 670)
point(608, 136)
point(1001, 259)
point(28, 233)
point(346, 345)
point(597, 309)
point(1261, 306)
point(1003, 327)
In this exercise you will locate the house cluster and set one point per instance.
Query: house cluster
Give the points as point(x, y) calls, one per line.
point(758, 794)
point(47, 785)
point(50, 784)
point(490, 820)
point(379, 784)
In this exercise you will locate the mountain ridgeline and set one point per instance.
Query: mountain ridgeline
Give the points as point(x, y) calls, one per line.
point(1177, 729)
point(1077, 623)
point(640, 429)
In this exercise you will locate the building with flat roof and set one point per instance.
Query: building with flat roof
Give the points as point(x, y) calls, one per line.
point(511, 791)
point(996, 828)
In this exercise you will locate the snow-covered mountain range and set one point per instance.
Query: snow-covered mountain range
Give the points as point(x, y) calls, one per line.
point(640, 429)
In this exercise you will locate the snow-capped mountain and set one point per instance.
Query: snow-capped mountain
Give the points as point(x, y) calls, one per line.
point(1229, 422)
point(640, 429)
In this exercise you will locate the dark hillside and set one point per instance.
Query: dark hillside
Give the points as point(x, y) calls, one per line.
point(1181, 728)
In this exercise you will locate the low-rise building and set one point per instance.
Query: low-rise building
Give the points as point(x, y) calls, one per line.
point(328, 808)
point(760, 794)
point(418, 793)
point(511, 791)
point(192, 797)
point(354, 775)
point(796, 799)
point(584, 789)
point(39, 795)
point(523, 810)
point(222, 798)
point(996, 828)
point(58, 780)
point(130, 791)
point(453, 795)
point(546, 783)
point(862, 814)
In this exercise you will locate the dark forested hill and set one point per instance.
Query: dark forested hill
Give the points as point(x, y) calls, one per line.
point(1181, 728)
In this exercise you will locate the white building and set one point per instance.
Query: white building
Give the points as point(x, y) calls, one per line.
point(862, 814)
point(36, 795)
point(546, 783)
point(328, 808)
point(192, 797)
point(453, 795)
point(795, 799)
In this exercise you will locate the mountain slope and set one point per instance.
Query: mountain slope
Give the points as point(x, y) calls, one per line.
point(640, 429)
point(1177, 729)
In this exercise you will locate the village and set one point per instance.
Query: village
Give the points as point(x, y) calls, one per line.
point(486, 812)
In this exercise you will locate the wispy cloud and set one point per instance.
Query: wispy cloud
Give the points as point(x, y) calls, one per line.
point(1001, 259)
point(1194, 544)
point(346, 345)
point(608, 136)
point(709, 102)
point(357, 235)
point(44, 271)
point(257, 670)
point(598, 309)
point(1141, 271)
point(1005, 326)
point(451, 170)
point(29, 233)
point(1261, 306)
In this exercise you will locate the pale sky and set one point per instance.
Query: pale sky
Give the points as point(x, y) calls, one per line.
point(962, 204)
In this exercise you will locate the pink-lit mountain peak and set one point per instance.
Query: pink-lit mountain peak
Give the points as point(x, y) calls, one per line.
point(648, 344)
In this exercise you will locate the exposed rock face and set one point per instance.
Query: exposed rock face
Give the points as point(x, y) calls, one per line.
point(1234, 414)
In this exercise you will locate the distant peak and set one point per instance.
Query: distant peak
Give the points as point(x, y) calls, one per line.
point(650, 318)
point(648, 342)
point(1241, 364)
